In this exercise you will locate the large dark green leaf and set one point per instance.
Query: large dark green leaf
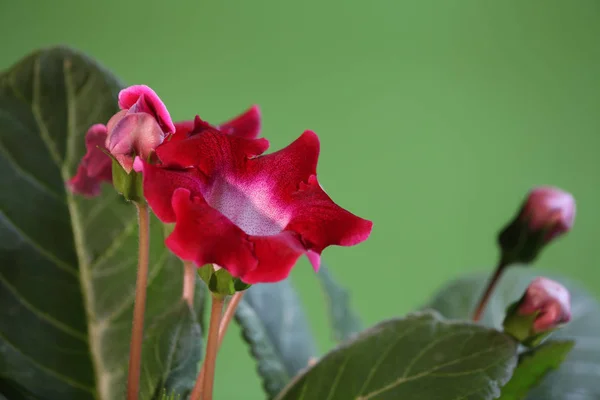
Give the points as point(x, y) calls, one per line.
point(274, 324)
point(533, 366)
point(578, 377)
point(345, 323)
point(11, 390)
point(420, 357)
point(68, 264)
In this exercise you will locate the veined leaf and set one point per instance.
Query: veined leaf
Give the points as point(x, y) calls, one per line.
point(275, 327)
point(67, 263)
point(579, 375)
point(417, 357)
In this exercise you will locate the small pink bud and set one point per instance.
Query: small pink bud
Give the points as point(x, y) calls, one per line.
point(550, 300)
point(544, 307)
point(139, 127)
point(550, 209)
point(546, 214)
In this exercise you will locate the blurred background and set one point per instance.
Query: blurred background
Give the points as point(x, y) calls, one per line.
point(436, 118)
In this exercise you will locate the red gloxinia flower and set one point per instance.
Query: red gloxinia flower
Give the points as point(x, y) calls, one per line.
point(250, 214)
point(550, 300)
point(138, 128)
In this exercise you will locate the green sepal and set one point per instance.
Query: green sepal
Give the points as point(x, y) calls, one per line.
point(220, 282)
point(129, 185)
point(519, 243)
point(521, 327)
point(240, 285)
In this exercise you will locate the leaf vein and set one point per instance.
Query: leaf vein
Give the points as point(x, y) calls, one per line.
point(49, 371)
point(42, 315)
point(57, 262)
point(403, 379)
point(154, 271)
point(116, 244)
point(28, 177)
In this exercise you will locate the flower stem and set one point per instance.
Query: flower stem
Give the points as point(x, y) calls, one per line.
point(137, 331)
point(227, 317)
point(229, 313)
point(487, 294)
point(189, 280)
point(206, 377)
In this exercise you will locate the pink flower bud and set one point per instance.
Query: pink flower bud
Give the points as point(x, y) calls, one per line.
point(545, 306)
point(549, 300)
point(546, 214)
point(139, 127)
point(550, 209)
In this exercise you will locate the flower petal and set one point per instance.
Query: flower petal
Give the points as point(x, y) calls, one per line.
point(315, 259)
point(185, 129)
point(276, 255)
point(285, 170)
point(246, 125)
point(321, 223)
point(210, 151)
point(137, 133)
point(95, 167)
point(146, 100)
point(160, 184)
point(204, 235)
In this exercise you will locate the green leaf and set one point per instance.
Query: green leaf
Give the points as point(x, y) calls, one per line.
point(180, 337)
point(578, 376)
point(533, 366)
point(274, 325)
point(417, 357)
point(345, 323)
point(12, 391)
point(67, 263)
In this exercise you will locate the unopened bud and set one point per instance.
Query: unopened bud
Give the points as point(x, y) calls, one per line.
point(546, 214)
point(544, 307)
point(139, 127)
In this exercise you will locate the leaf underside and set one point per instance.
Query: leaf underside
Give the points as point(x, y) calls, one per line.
point(275, 327)
point(344, 322)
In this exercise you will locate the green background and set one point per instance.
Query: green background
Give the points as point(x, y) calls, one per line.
point(435, 118)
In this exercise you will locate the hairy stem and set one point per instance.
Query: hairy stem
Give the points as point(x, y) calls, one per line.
point(487, 294)
point(137, 331)
point(203, 389)
point(228, 316)
point(189, 280)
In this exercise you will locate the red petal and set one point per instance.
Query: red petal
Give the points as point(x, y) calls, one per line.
point(284, 170)
point(205, 236)
point(276, 254)
point(151, 103)
point(246, 125)
point(183, 127)
point(95, 167)
point(210, 151)
point(160, 184)
point(321, 223)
